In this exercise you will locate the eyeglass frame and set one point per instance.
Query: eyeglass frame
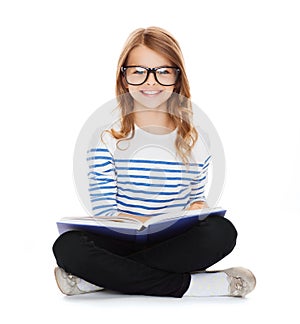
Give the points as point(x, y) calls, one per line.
point(150, 70)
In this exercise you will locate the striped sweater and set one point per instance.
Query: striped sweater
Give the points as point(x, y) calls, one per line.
point(144, 176)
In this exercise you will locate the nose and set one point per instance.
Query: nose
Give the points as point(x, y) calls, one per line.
point(151, 79)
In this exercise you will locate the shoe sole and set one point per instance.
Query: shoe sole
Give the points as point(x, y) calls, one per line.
point(56, 275)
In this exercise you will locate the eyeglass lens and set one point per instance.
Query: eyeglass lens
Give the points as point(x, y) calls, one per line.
point(164, 75)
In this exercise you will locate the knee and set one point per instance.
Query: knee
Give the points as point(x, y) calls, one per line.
point(223, 231)
point(65, 244)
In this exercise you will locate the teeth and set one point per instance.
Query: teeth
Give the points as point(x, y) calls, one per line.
point(150, 92)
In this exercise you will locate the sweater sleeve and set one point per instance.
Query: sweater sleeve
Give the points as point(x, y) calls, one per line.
point(102, 181)
point(199, 182)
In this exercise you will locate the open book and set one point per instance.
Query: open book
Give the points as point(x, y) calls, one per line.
point(156, 227)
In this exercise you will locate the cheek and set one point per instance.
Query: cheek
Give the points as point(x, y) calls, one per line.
point(169, 91)
point(132, 90)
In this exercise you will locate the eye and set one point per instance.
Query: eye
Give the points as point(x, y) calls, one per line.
point(163, 71)
point(139, 70)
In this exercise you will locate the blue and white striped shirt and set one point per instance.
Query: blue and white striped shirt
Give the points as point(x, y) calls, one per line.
point(144, 176)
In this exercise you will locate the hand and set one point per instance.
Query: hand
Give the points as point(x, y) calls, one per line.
point(140, 218)
point(198, 205)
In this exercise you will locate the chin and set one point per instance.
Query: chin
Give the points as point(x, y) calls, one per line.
point(151, 103)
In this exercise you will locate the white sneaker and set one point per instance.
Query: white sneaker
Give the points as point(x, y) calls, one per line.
point(241, 281)
point(72, 285)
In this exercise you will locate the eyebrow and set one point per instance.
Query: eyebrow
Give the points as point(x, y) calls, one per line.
point(148, 67)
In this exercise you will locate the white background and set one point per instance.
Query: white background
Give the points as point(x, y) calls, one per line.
point(58, 62)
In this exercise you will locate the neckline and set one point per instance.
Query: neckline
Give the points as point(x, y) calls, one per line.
point(153, 134)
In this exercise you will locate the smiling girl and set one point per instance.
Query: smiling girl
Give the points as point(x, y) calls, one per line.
point(152, 162)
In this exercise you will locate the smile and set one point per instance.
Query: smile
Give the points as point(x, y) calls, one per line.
point(150, 92)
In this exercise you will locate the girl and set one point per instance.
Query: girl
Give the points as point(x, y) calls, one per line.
point(151, 163)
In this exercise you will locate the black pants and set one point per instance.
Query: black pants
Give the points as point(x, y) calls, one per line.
point(156, 269)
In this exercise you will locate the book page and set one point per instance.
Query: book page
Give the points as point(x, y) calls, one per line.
point(179, 214)
point(102, 219)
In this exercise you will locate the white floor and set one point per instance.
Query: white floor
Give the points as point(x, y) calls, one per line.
point(44, 301)
point(31, 295)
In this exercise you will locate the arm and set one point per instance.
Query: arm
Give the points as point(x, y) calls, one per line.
point(197, 198)
point(103, 184)
point(102, 181)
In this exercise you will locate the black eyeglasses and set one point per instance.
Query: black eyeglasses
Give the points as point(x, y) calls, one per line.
point(137, 75)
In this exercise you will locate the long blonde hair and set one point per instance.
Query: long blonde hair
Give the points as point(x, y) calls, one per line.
point(179, 106)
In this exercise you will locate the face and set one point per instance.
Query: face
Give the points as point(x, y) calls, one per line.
point(151, 94)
